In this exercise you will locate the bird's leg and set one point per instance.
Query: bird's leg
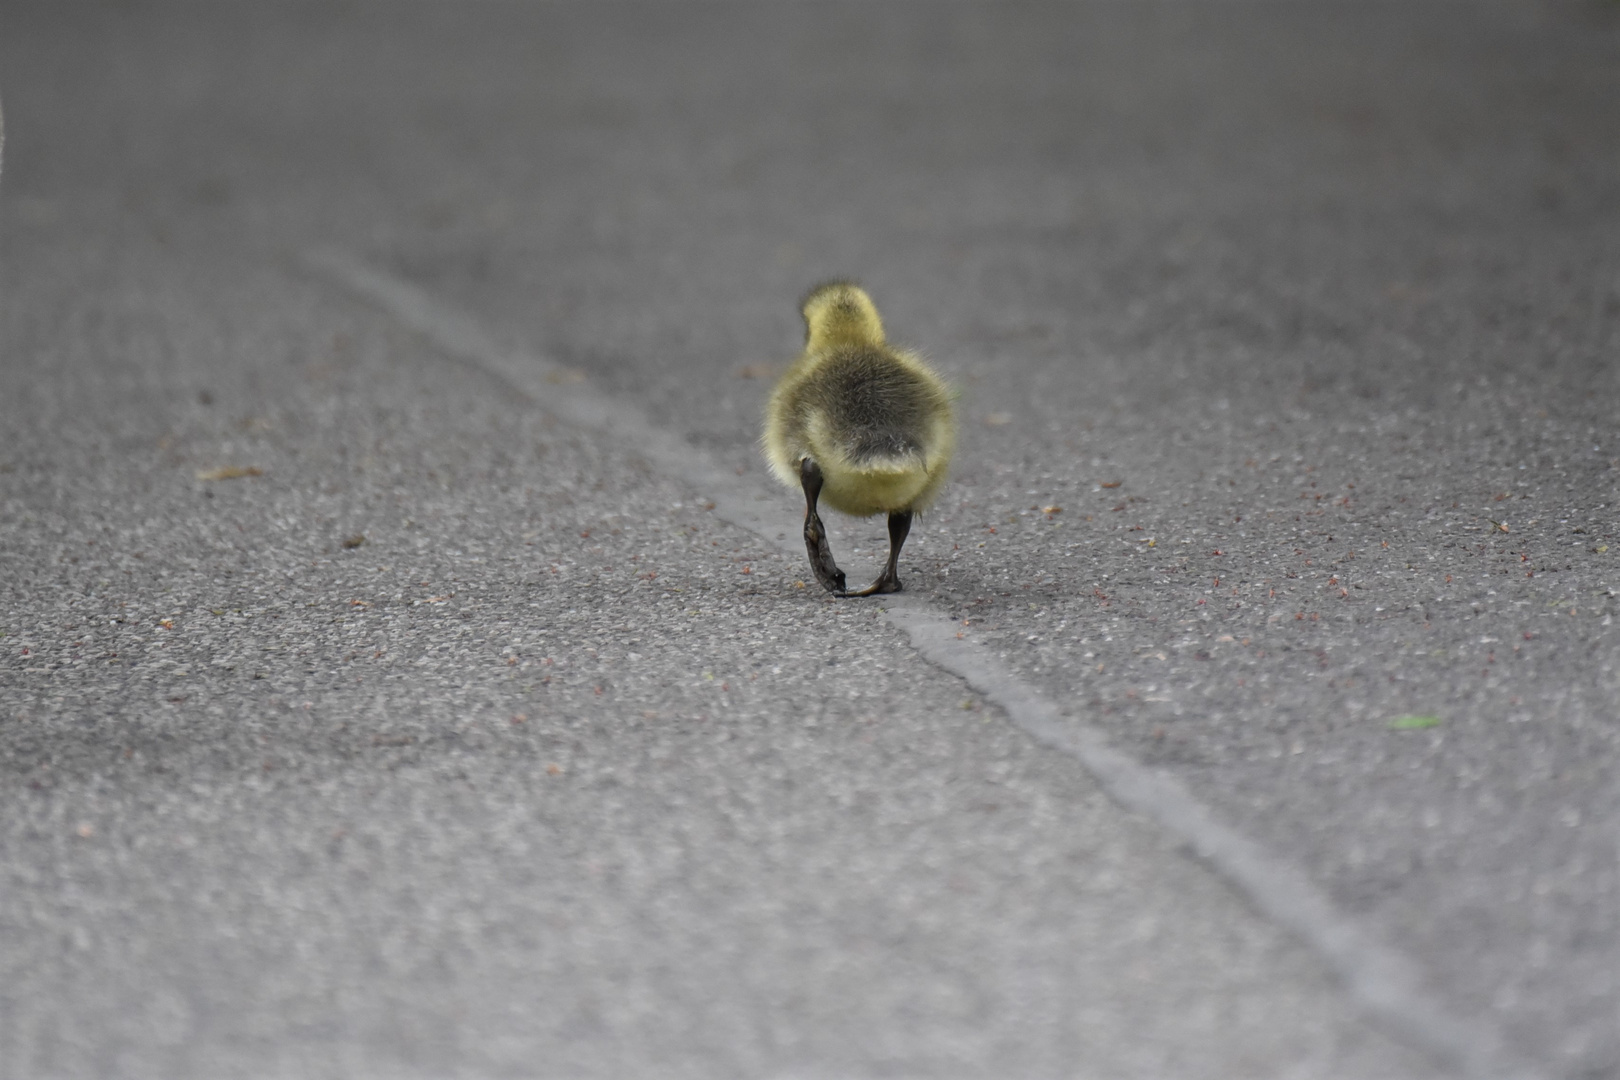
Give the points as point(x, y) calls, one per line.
point(889, 580)
point(815, 534)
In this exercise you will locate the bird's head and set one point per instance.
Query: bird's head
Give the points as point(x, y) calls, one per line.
point(840, 313)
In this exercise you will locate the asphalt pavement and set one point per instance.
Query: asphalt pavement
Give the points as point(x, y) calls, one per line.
point(366, 711)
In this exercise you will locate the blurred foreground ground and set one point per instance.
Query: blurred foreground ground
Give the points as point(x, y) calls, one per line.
point(1287, 336)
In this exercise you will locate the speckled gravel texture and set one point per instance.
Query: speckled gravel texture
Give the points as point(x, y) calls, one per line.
point(1333, 301)
point(454, 743)
point(1325, 294)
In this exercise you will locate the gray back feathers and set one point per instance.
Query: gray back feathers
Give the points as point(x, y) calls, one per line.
point(877, 408)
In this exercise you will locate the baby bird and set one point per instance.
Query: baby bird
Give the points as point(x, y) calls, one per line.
point(859, 423)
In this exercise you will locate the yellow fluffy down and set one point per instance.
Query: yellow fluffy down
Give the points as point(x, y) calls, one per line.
point(877, 420)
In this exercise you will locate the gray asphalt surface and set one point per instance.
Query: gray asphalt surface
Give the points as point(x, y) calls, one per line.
point(555, 774)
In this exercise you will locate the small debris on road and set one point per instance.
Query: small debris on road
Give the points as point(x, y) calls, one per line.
point(229, 472)
point(1413, 723)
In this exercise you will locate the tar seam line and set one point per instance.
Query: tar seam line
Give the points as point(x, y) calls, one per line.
point(1383, 983)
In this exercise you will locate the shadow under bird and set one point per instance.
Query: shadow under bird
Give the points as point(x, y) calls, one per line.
point(857, 423)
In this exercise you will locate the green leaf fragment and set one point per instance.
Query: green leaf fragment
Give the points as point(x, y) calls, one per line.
point(1412, 723)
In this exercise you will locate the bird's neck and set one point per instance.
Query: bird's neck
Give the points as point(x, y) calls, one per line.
point(835, 332)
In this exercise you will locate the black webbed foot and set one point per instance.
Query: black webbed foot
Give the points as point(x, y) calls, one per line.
point(889, 580)
point(815, 534)
point(885, 583)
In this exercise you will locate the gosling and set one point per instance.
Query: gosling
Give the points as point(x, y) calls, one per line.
point(856, 422)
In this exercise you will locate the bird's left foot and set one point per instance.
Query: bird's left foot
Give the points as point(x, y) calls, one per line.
point(821, 557)
point(815, 533)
